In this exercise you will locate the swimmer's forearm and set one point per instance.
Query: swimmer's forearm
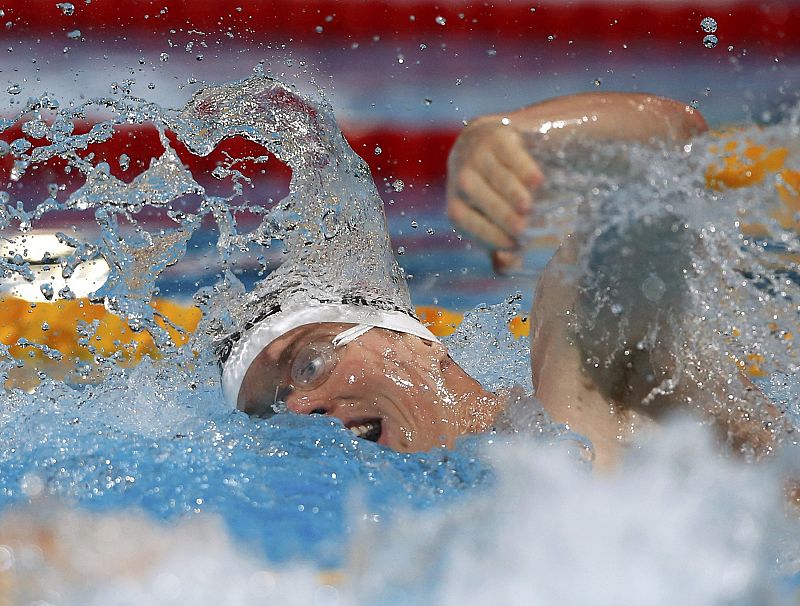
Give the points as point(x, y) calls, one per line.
point(635, 117)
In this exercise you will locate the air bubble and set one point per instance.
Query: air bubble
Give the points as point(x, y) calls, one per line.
point(164, 57)
point(398, 185)
point(14, 89)
point(378, 150)
point(74, 34)
point(401, 250)
point(441, 20)
point(709, 25)
point(710, 41)
point(124, 161)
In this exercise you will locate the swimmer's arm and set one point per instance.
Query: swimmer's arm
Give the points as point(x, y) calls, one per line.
point(492, 178)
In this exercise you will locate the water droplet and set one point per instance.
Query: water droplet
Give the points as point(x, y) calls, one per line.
point(164, 57)
point(491, 52)
point(151, 85)
point(7, 558)
point(401, 250)
point(430, 231)
point(710, 41)
point(318, 29)
point(66, 8)
point(653, 288)
point(458, 81)
point(20, 146)
point(441, 20)
point(74, 34)
point(14, 89)
point(35, 128)
point(428, 101)
point(709, 25)
point(31, 485)
point(414, 224)
point(597, 82)
point(423, 46)
point(398, 185)
point(45, 326)
point(124, 161)
point(47, 290)
point(695, 103)
point(378, 150)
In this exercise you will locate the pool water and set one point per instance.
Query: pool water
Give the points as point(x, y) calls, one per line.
point(146, 488)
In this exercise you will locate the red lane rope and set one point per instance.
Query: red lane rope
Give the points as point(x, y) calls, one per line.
point(771, 26)
point(414, 156)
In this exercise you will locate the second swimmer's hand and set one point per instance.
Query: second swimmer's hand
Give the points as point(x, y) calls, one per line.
point(490, 183)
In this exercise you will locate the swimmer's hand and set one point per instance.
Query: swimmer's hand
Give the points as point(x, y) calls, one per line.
point(491, 185)
point(492, 178)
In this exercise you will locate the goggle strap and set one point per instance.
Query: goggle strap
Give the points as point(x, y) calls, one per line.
point(351, 334)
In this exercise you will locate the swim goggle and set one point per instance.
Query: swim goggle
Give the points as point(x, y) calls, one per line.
point(301, 368)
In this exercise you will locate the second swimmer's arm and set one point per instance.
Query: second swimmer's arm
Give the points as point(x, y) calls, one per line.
point(492, 178)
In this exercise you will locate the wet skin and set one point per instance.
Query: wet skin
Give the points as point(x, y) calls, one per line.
point(421, 398)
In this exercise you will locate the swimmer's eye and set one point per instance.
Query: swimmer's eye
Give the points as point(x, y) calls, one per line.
point(312, 365)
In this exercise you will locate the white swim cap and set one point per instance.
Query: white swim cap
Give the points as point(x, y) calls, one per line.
point(276, 324)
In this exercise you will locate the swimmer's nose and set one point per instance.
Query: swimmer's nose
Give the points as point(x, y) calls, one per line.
point(306, 405)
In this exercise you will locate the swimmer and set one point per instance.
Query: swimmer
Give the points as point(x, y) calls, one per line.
point(388, 379)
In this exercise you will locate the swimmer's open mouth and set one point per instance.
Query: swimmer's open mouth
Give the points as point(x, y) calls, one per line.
point(368, 430)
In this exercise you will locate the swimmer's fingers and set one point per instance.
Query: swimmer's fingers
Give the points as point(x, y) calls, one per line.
point(506, 261)
point(512, 152)
point(476, 192)
point(506, 184)
point(475, 223)
point(491, 172)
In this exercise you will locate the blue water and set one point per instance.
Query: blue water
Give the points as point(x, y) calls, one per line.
point(286, 488)
point(676, 524)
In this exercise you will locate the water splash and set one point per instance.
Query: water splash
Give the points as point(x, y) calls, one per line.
point(155, 437)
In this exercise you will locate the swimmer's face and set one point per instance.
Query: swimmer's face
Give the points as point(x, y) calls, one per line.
point(384, 386)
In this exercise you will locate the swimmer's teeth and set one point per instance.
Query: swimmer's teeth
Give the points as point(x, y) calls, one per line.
point(368, 431)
